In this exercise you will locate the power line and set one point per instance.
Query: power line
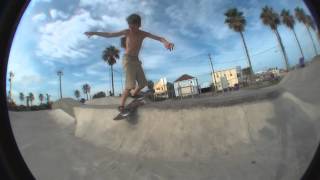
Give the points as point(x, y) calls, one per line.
point(244, 58)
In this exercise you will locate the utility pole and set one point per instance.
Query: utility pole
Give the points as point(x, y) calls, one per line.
point(212, 71)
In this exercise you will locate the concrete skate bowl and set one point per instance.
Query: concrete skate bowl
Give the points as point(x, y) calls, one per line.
point(272, 138)
point(66, 104)
point(104, 101)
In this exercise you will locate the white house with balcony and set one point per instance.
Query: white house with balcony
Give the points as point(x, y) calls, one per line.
point(186, 85)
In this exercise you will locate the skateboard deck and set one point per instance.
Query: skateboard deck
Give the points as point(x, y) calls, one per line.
point(130, 108)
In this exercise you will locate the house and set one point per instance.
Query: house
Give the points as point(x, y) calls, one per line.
point(161, 88)
point(269, 75)
point(274, 71)
point(228, 78)
point(186, 85)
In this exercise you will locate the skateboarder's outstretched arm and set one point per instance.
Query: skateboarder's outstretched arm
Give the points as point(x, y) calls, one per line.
point(107, 34)
point(166, 43)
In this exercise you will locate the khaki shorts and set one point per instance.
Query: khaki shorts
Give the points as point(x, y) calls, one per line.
point(133, 72)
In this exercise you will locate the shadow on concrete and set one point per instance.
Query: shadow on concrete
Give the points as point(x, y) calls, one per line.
point(297, 136)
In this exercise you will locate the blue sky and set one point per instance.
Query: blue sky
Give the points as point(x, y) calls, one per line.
point(50, 37)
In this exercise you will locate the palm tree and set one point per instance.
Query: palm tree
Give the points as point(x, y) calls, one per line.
point(110, 55)
point(27, 100)
point(41, 97)
point(271, 19)
point(31, 98)
point(237, 22)
point(48, 98)
point(86, 90)
point(289, 21)
point(60, 73)
point(307, 21)
point(21, 97)
point(77, 94)
point(311, 24)
point(11, 75)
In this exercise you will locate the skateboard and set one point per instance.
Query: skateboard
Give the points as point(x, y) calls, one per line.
point(129, 109)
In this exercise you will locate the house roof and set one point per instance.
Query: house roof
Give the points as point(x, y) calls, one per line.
point(184, 77)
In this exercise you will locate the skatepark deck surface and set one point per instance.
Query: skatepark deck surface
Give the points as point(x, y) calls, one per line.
point(269, 133)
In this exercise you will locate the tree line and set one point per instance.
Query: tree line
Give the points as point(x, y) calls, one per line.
point(237, 22)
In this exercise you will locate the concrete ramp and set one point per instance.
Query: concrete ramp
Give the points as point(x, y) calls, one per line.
point(271, 138)
point(204, 133)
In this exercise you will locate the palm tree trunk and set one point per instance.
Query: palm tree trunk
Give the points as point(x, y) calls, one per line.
point(282, 48)
point(295, 35)
point(318, 37)
point(60, 87)
point(247, 53)
point(10, 91)
point(87, 97)
point(112, 80)
point(314, 46)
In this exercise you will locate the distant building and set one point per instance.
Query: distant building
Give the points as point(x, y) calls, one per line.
point(161, 88)
point(268, 75)
point(274, 71)
point(186, 85)
point(228, 78)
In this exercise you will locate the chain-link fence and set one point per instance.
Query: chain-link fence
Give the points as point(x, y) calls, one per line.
point(206, 85)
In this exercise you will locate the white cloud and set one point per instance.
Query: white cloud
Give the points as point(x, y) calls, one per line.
point(39, 17)
point(115, 22)
point(49, 63)
point(206, 16)
point(33, 3)
point(154, 61)
point(95, 2)
point(53, 82)
point(31, 80)
point(57, 14)
point(23, 68)
point(99, 68)
point(78, 74)
point(63, 40)
point(121, 9)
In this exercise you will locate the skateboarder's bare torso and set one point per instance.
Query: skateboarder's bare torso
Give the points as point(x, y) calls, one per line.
point(134, 41)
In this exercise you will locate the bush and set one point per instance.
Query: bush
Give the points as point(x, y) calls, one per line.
point(82, 100)
point(99, 95)
point(34, 108)
point(14, 107)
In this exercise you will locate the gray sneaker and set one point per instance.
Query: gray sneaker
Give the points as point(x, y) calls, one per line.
point(125, 114)
point(123, 111)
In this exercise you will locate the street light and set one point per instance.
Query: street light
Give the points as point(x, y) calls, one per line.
point(60, 73)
